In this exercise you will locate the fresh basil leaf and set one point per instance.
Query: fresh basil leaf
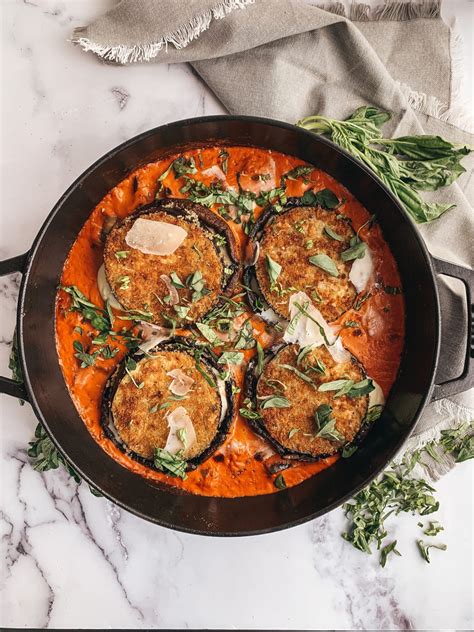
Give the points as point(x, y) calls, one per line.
point(356, 251)
point(273, 269)
point(280, 482)
point(170, 463)
point(231, 357)
point(325, 263)
point(332, 234)
point(275, 401)
point(324, 198)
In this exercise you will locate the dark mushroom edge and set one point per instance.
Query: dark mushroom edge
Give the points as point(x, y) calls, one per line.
point(250, 392)
point(178, 343)
point(207, 221)
point(255, 297)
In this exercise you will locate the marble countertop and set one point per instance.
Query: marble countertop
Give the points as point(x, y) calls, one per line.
point(70, 559)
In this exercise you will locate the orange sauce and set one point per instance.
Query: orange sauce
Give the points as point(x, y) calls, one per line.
point(232, 471)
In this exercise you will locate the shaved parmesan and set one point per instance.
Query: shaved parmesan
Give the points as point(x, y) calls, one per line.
point(270, 316)
point(174, 296)
point(105, 289)
point(155, 238)
point(339, 352)
point(376, 397)
point(362, 271)
point(312, 329)
point(214, 172)
point(152, 335)
point(178, 420)
point(307, 329)
point(181, 384)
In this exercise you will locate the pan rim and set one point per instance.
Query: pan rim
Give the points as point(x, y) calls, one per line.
point(284, 524)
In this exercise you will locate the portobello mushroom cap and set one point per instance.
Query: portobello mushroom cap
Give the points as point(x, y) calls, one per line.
point(292, 430)
point(209, 248)
point(290, 238)
point(134, 417)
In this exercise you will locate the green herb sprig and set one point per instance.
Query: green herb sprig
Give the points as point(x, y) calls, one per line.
point(406, 165)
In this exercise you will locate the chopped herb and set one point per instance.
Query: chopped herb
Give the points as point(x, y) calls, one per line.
point(131, 365)
point(373, 413)
point(309, 244)
point(224, 158)
point(280, 482)
point(348, 450)
point(181, 434)
point(302, 171)
point(300, 374)
point(275, 401)
point(360, 300)
point(459, 442)
point(322, 416)
point(385, 552)
point(231, 357)
point(87, 359)
point(434, 528)
point(122, 254)
point(197, 359)
point(389, 289)
point(176, 281)
point(181, 311)
point(78, 330)
point(124, 282)
point(170, 463)
point(424, 549)
point(324, 198)
point(245, 339)
point(260, 359)
point(183, 166)
point(348, 387)
point(153, 409)
point(45, 456)
point(303, 352)
point(273, 270)
point(292, 432)
point(332, 234)
point(325, 263)
point(351, 323)
point(357, 250)
point(219, 240)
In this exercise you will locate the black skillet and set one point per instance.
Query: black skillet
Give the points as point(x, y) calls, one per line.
point(416, 384)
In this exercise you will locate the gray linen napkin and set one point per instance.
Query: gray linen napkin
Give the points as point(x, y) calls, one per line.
point(286, 59)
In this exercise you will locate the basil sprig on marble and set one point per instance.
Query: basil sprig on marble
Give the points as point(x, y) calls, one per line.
point(406, 165)
point(398, 490)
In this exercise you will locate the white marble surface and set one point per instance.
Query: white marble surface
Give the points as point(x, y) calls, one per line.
point(72, 560)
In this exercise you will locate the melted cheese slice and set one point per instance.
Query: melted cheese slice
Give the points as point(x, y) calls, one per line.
point(177, 420)
point(152, 335)
point(312, 329)
point(362, 271)
point(376, 397)
point(181, 384)
point(155, 238)
point(105, 290)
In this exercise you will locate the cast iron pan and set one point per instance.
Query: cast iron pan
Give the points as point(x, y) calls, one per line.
point(47, 393)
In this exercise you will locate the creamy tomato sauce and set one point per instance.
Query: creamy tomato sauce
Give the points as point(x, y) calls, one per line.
point(233, 470)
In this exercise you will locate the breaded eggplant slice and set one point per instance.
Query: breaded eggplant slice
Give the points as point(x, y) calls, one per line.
point(135, 416)
point(209, 249)
point(290, 238)
point(293, 430)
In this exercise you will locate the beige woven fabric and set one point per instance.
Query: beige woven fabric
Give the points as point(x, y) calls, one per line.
point(286, 59)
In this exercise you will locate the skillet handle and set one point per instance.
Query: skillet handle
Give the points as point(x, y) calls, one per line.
point(466, 380)
point(7, 385)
